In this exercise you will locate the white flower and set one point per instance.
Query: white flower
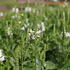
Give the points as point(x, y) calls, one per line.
point(31, 31)
point(1, 53)
point(13, 9)
point(28, 9)
point(23, 28)
point(1, 14)
point(39, 26)
point(45, 65)
point(9, 31)
point(15, 16)
point(25, 25)
point(31, 36)
point(38, 32)
point(16, 10)
point(43, 26)
point(2, 57)
point(67, 34)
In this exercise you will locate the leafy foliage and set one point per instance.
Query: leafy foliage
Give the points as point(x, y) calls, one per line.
point(50, 51)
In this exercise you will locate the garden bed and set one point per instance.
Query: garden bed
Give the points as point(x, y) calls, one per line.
point(35, 37)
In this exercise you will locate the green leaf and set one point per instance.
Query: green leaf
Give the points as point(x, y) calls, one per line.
point(50, 65)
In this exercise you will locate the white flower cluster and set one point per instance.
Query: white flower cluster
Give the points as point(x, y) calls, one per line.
point(2, 57)
point(25, 26)
point(67, 34)
point(41, 27)
point(1, 14)
point(9, 31)
point(28, 9)
point(33, 34)
point(15, 16)
point(16, 10)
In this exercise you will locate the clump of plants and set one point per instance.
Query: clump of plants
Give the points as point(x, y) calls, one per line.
point(35, 37)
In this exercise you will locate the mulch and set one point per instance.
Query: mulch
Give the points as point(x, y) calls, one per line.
point(39, 2)
point(2, 8)
point(51, 3)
